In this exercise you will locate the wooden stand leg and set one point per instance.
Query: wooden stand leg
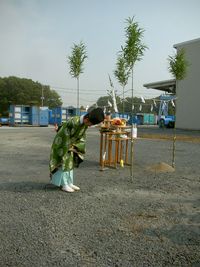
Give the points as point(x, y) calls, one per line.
point(116, 152)
point(105, 145)
point(105, 150)
point(126, 155)
point(101, 148)
point(121, 151)
point(109, 152)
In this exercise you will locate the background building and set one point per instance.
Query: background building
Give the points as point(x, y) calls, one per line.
point(187, 90)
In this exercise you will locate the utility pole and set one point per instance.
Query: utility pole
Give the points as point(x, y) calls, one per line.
point(42, 97)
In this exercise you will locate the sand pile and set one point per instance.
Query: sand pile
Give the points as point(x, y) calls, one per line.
point(160, 167)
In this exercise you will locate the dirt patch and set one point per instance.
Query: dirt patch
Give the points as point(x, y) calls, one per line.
point(160, 167)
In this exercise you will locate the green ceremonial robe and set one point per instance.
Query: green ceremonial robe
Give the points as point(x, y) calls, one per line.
point(70, 136)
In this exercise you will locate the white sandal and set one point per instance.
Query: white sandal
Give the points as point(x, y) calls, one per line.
point(74, 187)
point(67, 188)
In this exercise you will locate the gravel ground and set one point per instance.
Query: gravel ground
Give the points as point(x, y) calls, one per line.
point(113, 221)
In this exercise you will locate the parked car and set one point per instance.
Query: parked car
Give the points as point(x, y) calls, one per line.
point(166, 121)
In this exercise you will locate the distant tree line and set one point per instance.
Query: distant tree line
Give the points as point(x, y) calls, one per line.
point(21, 91)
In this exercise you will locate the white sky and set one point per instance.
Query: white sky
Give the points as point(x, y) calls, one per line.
point(37, 36)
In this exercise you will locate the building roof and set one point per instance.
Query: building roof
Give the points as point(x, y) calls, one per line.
point(168, 86)
point(186, 43)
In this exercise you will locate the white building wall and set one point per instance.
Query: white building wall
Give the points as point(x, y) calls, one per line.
point(188, 90)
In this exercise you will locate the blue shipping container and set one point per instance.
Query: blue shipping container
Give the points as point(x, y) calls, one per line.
point(55, 116)
point(71, 112)
point(59, 115)
point(121, 116)
point(137, 119)
point(19, 114)
point(44, 116)
point(34, 116)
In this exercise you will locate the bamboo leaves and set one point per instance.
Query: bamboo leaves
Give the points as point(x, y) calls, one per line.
point(77, 59)
point(121, 72)
point(134, 48)
point(178, 65)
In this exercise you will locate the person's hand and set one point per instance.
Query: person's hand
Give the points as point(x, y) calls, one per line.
point(72, 149)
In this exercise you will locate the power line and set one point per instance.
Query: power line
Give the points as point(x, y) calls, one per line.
point(88, 92)
point(65, 88)
point(95, 90)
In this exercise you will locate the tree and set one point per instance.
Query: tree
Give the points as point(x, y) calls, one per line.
point(103, 101)
point(51, 98)
point(122, 74)
point(178, 65)
point(76, 61)
point(178, 68)
point(134, 48)
point(21, 91)
point(133, 51)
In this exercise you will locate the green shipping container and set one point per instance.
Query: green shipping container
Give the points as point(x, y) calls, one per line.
point(149, 119)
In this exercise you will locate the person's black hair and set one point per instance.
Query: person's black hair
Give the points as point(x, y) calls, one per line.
point(95, 116)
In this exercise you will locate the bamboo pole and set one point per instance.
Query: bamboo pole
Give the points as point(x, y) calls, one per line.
point(132, 144)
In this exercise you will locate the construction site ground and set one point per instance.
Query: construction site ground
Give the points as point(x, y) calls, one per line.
point(150, 218)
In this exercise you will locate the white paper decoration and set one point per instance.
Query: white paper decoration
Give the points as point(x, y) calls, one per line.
point(109, 104)
point(142, 98)
point(173, 105)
